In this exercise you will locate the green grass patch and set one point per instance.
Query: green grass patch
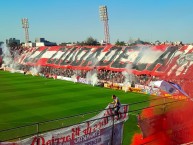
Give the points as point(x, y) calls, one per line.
point(26, 99)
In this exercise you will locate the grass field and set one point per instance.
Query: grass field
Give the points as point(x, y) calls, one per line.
point(26, 99)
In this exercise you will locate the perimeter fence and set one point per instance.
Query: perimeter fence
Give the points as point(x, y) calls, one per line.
point(161, 104)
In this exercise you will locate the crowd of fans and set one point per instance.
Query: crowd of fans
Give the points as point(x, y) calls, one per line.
point(145, 79)
point(102, 74)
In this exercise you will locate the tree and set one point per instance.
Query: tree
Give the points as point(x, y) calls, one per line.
point(80, 43)
point(62, 44)
point(65, 43)
point(138, 41)
point(91, 41)
point(120, 43)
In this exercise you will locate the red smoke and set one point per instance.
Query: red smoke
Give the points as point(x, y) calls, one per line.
point(170, 124)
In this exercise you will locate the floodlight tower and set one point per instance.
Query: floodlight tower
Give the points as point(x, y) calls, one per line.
point(104, 17)
point(25, 26)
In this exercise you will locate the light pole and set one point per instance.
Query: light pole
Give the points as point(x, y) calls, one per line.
point(104, 18)
point(25, 25)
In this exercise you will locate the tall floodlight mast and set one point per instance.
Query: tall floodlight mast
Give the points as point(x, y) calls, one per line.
point(25, 26)
point(104, 17)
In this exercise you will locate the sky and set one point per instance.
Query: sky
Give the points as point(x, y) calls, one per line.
point(75, 20)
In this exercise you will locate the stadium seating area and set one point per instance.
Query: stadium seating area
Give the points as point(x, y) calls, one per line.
point(114, 64)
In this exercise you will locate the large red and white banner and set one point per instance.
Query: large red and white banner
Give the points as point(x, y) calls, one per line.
point(169, 62)
point(103, 129)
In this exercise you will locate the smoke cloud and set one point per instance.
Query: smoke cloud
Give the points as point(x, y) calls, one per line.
point(35, 70)
point(74, 78)
point(167, 125)
point(9, 59)
point(91, 77)
point(128, 77)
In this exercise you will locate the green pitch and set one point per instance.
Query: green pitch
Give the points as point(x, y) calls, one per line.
point(26, 99)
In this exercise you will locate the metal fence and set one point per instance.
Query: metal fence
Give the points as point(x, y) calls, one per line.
point(25, 131)
point(22, 132)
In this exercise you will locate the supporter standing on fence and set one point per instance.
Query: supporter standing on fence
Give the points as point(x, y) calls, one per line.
point(116, 105)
